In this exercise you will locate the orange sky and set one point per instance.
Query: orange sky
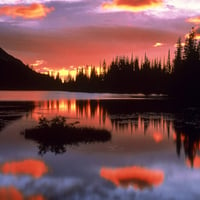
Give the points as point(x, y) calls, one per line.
point(60, 34)
point(32, 11)
point(132, 5)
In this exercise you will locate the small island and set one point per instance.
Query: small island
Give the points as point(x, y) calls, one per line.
point(55, 135)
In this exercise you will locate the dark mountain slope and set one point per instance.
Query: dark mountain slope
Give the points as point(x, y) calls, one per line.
point(14, 75)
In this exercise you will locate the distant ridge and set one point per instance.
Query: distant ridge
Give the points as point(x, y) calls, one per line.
point(4, 56)
point(15, 75)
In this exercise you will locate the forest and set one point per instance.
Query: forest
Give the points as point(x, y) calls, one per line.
point(179, 77)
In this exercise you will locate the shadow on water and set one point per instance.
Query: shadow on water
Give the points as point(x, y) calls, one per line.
point(177, 120)
point(184, 118)
point(180, 120)
point(187, 129)
point(11, 111)
point(55, 135)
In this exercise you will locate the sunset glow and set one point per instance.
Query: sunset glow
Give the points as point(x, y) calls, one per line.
point(137, 177)
point(64, 73)
point(37, 63)
point(45, 36)
point(197, 37)
point(34, 168)
point(158, 44)
point(32, 11)
point(131, 5)
point(182, 44)
point(195, 20)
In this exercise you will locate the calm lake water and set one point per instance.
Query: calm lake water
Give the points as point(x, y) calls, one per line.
point(153, 152)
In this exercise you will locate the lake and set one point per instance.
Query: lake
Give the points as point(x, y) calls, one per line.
point(153, 151)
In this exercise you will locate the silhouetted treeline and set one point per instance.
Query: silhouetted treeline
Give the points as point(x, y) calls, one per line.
point(178, 78)
point(186, 70)
point(125, 75)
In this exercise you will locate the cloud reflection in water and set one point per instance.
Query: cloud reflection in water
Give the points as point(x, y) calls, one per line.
point(10, 193)
point(137, 177)
point(34, 168)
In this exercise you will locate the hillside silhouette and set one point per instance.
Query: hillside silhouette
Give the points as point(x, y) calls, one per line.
point(15, 75)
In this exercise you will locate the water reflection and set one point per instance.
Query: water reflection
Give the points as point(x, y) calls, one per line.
point(160, 120)
point(55, 135)
point(144, 133)
point(117, 115)
point(32, 167)
point(91, 110)
point(12, 193)
point(36, 197)
point(11, 111)
point(158, 137)
point(113, 117)
point(190, 143)
point(137, 177)
point(195, 163)
point(187, 129)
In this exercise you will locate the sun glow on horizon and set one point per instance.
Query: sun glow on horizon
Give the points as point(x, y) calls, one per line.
point(194, 20)
point(66, 73)
point(158, 44)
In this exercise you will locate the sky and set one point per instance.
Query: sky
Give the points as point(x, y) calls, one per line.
point(62, 34)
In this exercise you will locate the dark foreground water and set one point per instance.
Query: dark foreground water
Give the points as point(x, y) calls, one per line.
point(153, 152)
